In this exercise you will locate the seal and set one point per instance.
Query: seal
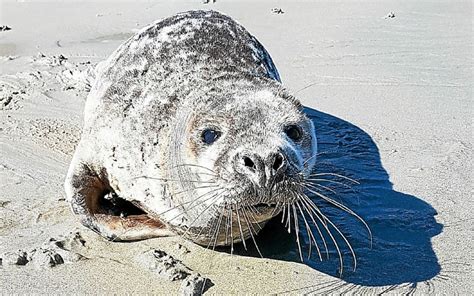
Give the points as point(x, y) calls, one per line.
point(188, 130)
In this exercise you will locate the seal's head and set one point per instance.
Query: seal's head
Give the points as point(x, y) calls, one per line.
point(238, 161)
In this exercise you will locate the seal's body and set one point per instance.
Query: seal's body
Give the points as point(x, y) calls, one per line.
point(188, 121)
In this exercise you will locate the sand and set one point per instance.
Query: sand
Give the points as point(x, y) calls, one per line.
point(395, 75)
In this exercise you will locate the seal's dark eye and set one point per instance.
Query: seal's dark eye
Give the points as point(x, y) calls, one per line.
point(294, 132)
point(209, 136)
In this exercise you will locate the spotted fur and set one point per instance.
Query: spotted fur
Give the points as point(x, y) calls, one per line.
point(145, 114)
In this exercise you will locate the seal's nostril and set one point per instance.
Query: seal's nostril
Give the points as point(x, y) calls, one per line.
point(278, 162)
point(248, 162)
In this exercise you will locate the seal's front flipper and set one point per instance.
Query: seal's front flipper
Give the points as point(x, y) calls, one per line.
point(89, 196)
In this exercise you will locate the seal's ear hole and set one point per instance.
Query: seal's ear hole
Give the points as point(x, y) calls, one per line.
point(111, 204)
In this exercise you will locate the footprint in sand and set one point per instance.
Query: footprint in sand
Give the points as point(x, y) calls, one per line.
point(53, 252)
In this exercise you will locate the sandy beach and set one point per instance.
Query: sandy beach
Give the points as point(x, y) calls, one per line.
point(388, 85)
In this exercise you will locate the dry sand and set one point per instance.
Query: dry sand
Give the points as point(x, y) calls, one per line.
point(406, 81)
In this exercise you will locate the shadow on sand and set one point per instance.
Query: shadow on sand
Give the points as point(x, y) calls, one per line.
point(402, 225)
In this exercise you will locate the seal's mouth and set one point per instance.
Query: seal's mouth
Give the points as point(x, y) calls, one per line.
point(122, 211)
point(234, 224)
point(263, 206)
point(260, 212)
point(263, 209)
point(111, 204)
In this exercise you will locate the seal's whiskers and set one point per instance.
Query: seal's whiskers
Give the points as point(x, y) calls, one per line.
point(195, 165)
point(227, 227)
point(336, 175)
point(330, 181)
point(215, 196)
point(214, 238)
point(250, 228)
point(310, 233)
point(305, 207)
point(347, 242)
point(283, 212)
point(172, 180)
point(320, 186)
point(297, 230)
point(190, 203)
point(344, 208)
point(315, 209)
point(194, 188)
point(242, 237)
point(231, 233)
point(288, 218)
point(215, 234)
point(252, 212)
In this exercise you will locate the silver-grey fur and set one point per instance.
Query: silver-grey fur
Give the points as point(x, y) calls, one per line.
point(142, 138)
